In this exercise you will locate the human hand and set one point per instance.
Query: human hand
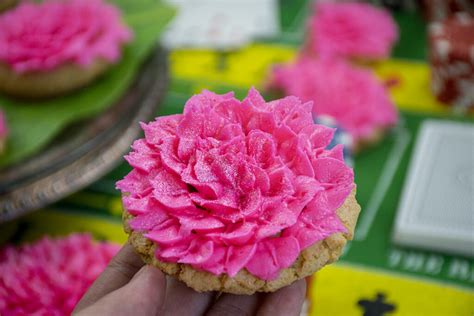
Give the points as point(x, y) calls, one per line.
point(128, 287)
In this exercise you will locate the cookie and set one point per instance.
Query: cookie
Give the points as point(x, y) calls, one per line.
point(238, 196)
point(351, 30)
point(76, 42)
point(49, 276)
point(352, 96)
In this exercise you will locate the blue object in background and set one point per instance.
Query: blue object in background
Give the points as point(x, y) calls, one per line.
point(340, 137)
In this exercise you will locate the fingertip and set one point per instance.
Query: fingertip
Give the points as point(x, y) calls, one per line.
point(286, 301)
point(150, 276)
point(147, 289)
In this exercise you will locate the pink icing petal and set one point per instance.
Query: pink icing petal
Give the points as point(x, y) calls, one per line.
point(203, 168)
point(172, 253)
point(352, 29)
point(230, 132)
point(337, 152)
point(333, 171)
point(336, 177)
point(273, 255)
point(136, 183)
point(148, 221)
point(200, 224)
point(281, 182)
point(216, 263)
point(169, 190)
point(309, 233)
point(166, 233)
point(238, 257)
point(245, 179)
point(262, 181)
point(208, 190)
point(317, 222)
point(254, 99)
point(225, 207)
point(284, 137)
point(136, 206)
point(262, 121)
point(199, 252)
point(234, 184)
point(319, 135)
point(262, 147)
point(239, 235)
point(169, 157)
point(162, 128)
point(301, 163)
point(234, 146)
point(299, 117)
point(233, 111)
point(72, 31)
point(186, 148)
point(143, 157)
point(277, 216)
point(306, 189)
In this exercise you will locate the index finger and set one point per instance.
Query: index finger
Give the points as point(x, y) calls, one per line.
point(118, 273)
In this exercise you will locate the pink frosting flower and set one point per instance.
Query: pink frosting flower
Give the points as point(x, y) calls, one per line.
point(43, 36)
point(351, 30)
point(229, 185)
point(50, 276)
point(353, 96)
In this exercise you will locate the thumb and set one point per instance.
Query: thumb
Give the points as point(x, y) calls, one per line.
point(143, 295)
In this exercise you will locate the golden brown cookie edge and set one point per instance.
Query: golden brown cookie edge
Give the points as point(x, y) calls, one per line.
point(309, 261)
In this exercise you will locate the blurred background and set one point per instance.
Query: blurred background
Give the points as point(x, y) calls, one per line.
point(413, 249)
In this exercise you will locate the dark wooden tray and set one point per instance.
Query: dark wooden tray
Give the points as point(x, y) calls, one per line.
point(86, 150)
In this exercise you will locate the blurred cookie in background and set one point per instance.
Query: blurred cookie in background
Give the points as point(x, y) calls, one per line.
point(76, 42)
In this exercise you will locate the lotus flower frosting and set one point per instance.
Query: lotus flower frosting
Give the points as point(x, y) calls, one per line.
point(43, 36)
point(234, 184)
point(351, 95)
point(351, 29)
point(50, 276)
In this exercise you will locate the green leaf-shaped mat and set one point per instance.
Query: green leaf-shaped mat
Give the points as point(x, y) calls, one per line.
point(34, 124)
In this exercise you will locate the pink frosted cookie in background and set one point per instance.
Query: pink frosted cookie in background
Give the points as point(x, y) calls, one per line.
point(3, 131)
point(351, 30)
point(352, 96)
point(238, 196)
point(49, 276)
point(76, 41)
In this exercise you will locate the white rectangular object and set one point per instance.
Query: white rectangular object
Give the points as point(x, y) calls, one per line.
point(437, 204)
point(221, 24)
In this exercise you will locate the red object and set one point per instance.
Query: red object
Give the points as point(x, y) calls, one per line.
point(452, 60)
point(438, 10)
